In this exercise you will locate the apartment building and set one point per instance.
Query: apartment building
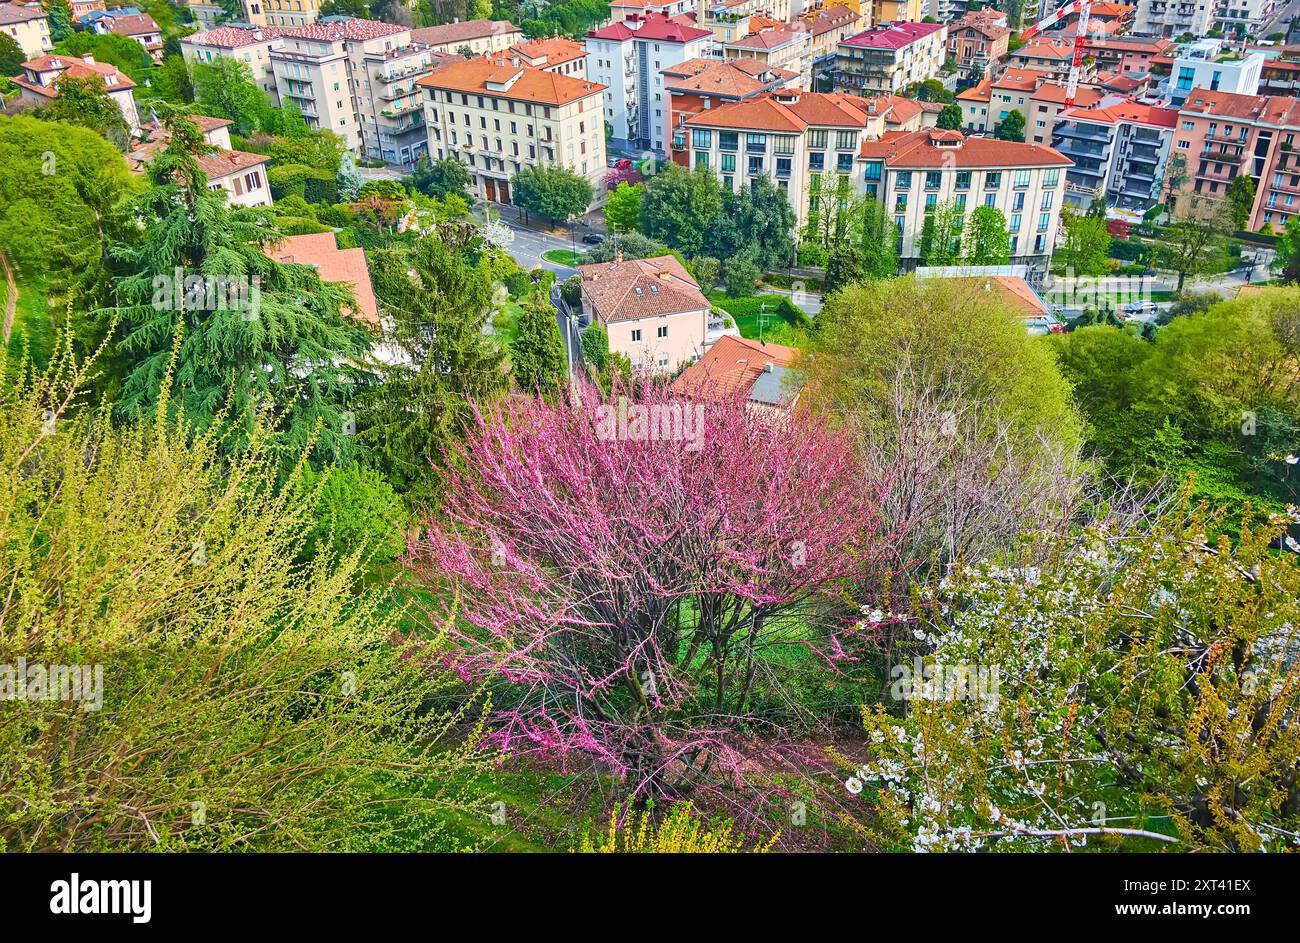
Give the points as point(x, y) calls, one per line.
point(827, 27)
point(81, 8)
point(499, 115)
point(1221, 136)
point(357, 78)
point(1242, 17)
point(38, 84)
point(207, 13)
point(912, 174)
point(618, 9)
point(986, 105)
point(558, 55)
point(1126, 54)
point(627, 59)
point(1120, 149)
point(135, 25)
point(804, 141)
point(1174, 17)
point(652, 310)
point(240, 174)
point(478, 37)
point(250, 46)
point(1052, 55)
point(292, 13)
point(697, 85)
point(781, 47)
point(896, 11)
point(887, 59)
point(1047, 103)
point(1210, 64)
point(28, 27)
point(978, 41)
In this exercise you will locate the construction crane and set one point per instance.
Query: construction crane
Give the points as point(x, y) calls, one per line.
point(1083, 8)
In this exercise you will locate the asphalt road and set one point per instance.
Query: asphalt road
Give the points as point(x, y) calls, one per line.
point(1282, 15)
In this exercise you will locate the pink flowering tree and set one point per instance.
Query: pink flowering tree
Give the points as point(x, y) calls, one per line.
point(623, 174)
point(626, 565)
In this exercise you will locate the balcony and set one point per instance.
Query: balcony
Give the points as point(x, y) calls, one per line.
point(402, 108)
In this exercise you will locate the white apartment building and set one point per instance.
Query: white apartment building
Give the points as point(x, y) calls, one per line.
point(1120, 150)
point(1210, 65)
point(627, 58)
point(913, 174)
point(28, 27)
point(789, 48)
point(886, 59)
point(356, 78)
point(38, 85)
point(1242, 17)
point(1173, 17)
point(497, 114)
point(250, 46)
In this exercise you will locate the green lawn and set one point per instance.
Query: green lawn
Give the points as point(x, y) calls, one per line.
point(772, 318)
point(563, 257)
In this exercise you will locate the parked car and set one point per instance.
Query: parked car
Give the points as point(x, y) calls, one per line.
point(1140, 310)
point(593, 239)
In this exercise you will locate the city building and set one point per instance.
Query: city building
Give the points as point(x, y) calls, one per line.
point(1221, 136)
point(357, 78)
point(207, 13)
point(804, 141)
point(697, 85)
point(1209, 64)
point(1173, 17)
point(1120, 150)
point(1242, 17)
point(652, 310)
point(889, 58)
point(82, 8)
point(784, 47)
point(558, 55)
point(250, 46)
point(293, 13)
point(627, 59)
point(827, 27)
point(1047, 103)
point(978, 42)
point(478, 37)
point(1052, 55)
point(38, 85)
point(737, 366)
point(28, 27)
point(499, 115)
point(240, 174)
point(135, 25)
point(912, 174)
point(896, 11)
point(1126, 54)
point(986, 105)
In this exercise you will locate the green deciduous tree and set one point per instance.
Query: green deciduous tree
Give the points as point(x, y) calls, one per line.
point(680, 207)
point(555, 192)
point(941, 235)
point(1194, 243)
point(59, 13)
point(623, 207)
point(441, 177)
point(1241, 200)
point(12, 56)
point(226, 88)
point(84, 100)
point(986, 240)
point(950, 118)
point(1011, 128)
point(1087, 246)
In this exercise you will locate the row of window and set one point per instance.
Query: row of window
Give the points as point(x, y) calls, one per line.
point(990, 199)
point(661, 332)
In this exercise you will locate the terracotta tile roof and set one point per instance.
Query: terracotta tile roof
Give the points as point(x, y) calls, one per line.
point(775, 111)
point(935, 148)
point(1012, 291)
point(768, 39)
point(734, 78)
point(830, 17)
point(895, 36)
point(486, 75)
point(462, 32)
point(641, 288)
point(1130, 44)
point(1019, 80)
point(220, 163)
point(139, 24)
point(232, 37)
point(114, 81)
point(990, 22)
point(342, 266)
point(338, 30)
point(553, 51)
point(1124, 112)
point(654, 26)
point(1084, 97)
point(977, 93)
point(731, 366)
point(204, 123)
point(1269, 109)
point(1059, 49)
point(758, 23)
point(1111, 9)
point(894, 108)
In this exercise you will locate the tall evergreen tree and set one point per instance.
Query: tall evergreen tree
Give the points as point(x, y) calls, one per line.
point(537, 354)
point(234, 332)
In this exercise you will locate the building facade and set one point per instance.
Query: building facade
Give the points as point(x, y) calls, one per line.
point(478, 37)
point(498, 115)
point(1120, 150)
point(978, 42)
point(887, 59)
point(1173, 18)
point(250, 46)
point(38, 84)
point(28, 27)
point(697, 85)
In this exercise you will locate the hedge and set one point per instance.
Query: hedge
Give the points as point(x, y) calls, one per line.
point(313, 185)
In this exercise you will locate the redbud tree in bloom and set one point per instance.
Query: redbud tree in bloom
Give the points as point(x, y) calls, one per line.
point(626, 566)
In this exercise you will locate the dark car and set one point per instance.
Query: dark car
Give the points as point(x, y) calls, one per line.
point(593, 239)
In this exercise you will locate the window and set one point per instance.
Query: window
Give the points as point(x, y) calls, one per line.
point(701, 138)
point(1021, 179)
point(931, 201)
point(783, 144)
point(1014, 227)
point(728, 163)
point(755, 165)
point(900, 203)
point(992, 180)
point(817, 161)
point(755, 143)
point(903, 180)
point(933, 179)
point(1047, 200)
point(872, 171)
point(844, 140)
point(783, 166)
point(727, 140)
point(844, 163)
point(1018, 202)
point(636, 336)
point(960, 202)
point(1043, 220)
point(817, 138)
point(701, 158)
point(661, 331)
point(963, 180)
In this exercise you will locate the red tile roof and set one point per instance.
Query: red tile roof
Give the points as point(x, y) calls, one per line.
point(1270, 109)
point(220, 163)
point(1060, 49)
point(459, 32)
point(344, 266)
point(769, 39)
point(653, 26)
point(232, 37)
point(526, 83)
point(114, 80)
point(734, 78)
point(1019, 80)
point(935, 148)
point(640, 288)
point(338, 30)
point(13, 13)
point(140, 24)
point(787, 110)
point(731, 365)
point(894, 36)
point(1084, 97)
point(1124, 112)
point(554, 50)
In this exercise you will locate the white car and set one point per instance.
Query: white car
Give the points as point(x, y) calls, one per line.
point(1140, 310)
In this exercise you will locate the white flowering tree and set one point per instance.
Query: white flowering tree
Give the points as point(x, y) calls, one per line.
point(1138, 691)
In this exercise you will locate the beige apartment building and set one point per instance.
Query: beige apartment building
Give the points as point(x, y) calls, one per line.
point(788, 48)
point(28, 27)
point(357, 78)
point(887, 59)
point(281, 12)
point(250, 46)
point(498, 115)
point(480, 37)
